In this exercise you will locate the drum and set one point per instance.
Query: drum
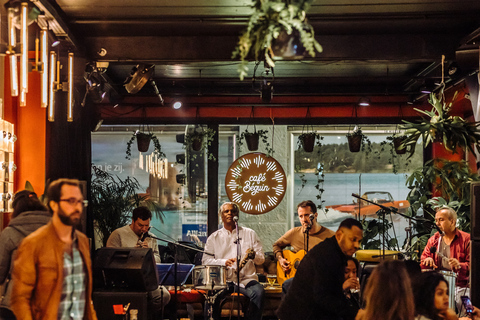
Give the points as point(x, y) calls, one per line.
point(451, 277)
point(209, 277)
point(375, 255)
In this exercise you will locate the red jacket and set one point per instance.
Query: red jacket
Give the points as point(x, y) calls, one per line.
point(38, 275)
point(459, 249)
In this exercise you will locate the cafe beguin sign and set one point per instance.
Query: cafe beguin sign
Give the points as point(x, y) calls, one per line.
point(255, 182)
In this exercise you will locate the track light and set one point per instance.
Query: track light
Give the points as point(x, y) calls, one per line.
point(177, 104)
point(364, 102)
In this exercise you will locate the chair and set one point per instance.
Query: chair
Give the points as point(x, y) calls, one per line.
point(229, 305)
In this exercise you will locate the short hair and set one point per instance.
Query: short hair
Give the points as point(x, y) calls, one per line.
point(349, 223)
point(308, 203)
point(141, 212)
point(236, 209)
point(26, 200)
point(54, 191)
point(452, 214)
point(424, 287)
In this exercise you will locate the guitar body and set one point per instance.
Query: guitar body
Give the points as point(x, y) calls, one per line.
point(294, 259)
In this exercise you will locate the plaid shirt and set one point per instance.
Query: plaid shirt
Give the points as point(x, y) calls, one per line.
point(72, 303)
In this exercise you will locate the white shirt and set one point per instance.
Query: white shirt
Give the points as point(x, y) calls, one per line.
point(124, 237)
point(222, 244)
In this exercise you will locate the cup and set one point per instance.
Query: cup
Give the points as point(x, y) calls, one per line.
point(271, 279)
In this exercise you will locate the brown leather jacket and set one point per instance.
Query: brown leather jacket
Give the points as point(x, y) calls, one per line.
point(38, 275)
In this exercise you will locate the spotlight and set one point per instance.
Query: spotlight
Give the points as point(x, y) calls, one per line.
point(138, 77)
point(427, 86)
point(364, 102)
point(177, 104)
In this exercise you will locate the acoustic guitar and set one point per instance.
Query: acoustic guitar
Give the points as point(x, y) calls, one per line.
point(294, 259)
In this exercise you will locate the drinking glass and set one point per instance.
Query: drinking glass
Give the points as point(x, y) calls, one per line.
point(271, 278)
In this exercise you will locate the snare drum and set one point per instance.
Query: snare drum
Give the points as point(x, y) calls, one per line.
point(451, 277)
point(209, 277)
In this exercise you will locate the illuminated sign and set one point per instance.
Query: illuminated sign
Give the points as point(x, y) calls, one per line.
point(255, 182)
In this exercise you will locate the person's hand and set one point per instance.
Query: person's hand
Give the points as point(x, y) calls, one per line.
point(428, 262)
point(475, 315)
point(351, 283)
point(284, 263)
point(143, 244)
point(230, 262)
point(454, 263)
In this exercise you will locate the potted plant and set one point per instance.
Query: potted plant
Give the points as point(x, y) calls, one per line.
point(395, 142)
point(270, 20)
point(199, 139)
point(451, 131)
point(252, 140)
point(308, 140)
point(143, 143)
point(358, 141)
point(113, 200)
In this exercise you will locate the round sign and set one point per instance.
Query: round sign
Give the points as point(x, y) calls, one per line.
point(256, 183)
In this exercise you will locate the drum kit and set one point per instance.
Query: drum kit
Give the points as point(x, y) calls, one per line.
point(212, 279)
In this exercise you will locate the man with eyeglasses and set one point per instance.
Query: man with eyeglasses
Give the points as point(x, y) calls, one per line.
point(223, 244)
point(52, 270)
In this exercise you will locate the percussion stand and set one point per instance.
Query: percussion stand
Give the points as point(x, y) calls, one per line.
point(176, 244)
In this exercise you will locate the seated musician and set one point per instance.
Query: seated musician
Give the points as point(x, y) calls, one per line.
point(450, 251)
point(296, 238)
point(222, 243)
point(131, 236)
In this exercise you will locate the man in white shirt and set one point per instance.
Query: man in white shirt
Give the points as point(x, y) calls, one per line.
point(222, 243)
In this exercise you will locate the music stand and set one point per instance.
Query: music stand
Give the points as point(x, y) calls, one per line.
point(166, 273)
point(172, 274)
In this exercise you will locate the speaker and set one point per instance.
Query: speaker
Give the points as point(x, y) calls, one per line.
point(127, 269)
point(104, 302)
point(475, 210)
point(474, 272)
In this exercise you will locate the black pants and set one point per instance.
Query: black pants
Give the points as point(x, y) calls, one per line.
point(6, 314)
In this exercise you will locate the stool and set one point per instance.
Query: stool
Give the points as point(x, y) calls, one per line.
point(229, 305)
point(189, 303)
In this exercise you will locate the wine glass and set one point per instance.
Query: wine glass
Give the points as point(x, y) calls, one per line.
point(271, 279)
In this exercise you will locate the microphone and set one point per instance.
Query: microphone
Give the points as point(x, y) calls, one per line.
point(235, 219)
point(311, 217)
point(145, 235)
point(438, 229)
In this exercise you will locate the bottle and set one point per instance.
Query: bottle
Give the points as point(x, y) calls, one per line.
point(133, 314)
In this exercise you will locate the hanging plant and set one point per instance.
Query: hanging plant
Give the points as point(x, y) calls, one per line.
point(269, 20)
point(396, 148)
point(252, 140)
point(200, 139)
point(451, 131)
point(143, 143)
point(358, 141)
point(309, 140)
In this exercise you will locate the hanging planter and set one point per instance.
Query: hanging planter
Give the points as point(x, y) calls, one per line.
point(143, 143)
point(252, 141)
point(358, 141)
point(253, 138)
point(199, 139)
point(355, 143)
point(307, 141)
point(398, 144)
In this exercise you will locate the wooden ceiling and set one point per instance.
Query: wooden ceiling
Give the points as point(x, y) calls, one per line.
point(372, 48)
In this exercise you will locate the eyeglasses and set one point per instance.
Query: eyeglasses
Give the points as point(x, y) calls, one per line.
point(74, 202)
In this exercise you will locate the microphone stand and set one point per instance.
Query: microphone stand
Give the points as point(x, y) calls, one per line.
point(176, 244)
point(307, 233)
point(239, 256)
point(389, 209)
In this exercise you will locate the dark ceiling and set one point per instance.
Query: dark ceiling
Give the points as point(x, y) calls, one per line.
point(371, 47)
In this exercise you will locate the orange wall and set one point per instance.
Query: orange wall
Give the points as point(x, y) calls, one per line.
point(30, 128)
